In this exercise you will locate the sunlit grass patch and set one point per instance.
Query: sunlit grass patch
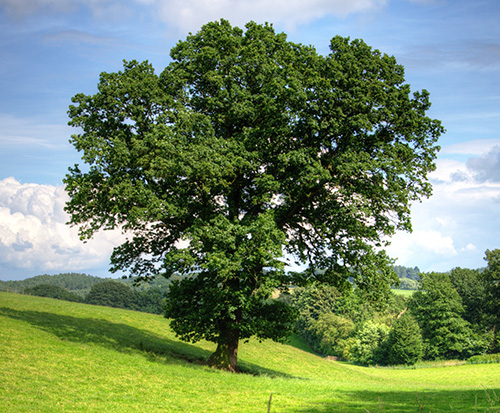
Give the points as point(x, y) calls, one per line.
point(61, 356)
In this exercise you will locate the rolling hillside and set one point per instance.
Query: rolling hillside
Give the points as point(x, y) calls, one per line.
point(78, 283)
point(62, 356)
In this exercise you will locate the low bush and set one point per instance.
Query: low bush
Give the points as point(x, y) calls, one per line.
point(485, 358)
point(53, 291)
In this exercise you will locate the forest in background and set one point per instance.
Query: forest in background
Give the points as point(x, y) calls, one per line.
point(448, 316)
point(111, 292)
point(81, 284)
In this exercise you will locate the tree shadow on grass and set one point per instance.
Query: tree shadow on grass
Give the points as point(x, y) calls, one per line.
point(487, 400)
point(115, 336)
point(122, 338)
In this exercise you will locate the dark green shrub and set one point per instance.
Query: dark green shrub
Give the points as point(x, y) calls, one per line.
point(53, 291)
point(150, 301)
point(112, 294)
point(485, 358)
point(404, 344)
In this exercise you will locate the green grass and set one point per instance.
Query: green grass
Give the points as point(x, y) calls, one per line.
point(404, 293)
point(61, 356)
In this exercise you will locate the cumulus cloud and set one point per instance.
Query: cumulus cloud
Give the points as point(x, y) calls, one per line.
point(469, 247)
point(410, 248)
point(34, 235)
point(435, 242)
point(461, 220)
point(189, 15)
point(486, 168)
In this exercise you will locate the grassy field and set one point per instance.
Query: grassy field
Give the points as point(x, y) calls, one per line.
point(61, 356)
point(404, 293)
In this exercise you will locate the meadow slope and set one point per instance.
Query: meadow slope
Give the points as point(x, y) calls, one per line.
point(62, 356)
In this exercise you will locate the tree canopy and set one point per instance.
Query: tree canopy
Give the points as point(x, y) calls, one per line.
point(405, 344)
point(53, 291)
point(248, 149)
point(491, 279)
point(438, 308)
point(111, 294)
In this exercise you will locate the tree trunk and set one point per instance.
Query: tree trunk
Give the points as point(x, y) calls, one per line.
point(225, 356)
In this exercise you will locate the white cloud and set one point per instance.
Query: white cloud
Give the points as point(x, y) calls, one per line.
point(486, 168)
point(469, 247)
point(474, 147)
point(190, 15)
point(34, 235)
point(460, 221)
point(449, 170)
point(409, 249)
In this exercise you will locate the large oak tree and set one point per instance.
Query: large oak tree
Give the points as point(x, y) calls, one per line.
point(248, 149)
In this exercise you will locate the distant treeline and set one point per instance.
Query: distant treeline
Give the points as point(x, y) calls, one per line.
point(453, 315)
point(77, 287)
point(407, 272)
point(76, 283)
point(80, 285)
point(408, 277)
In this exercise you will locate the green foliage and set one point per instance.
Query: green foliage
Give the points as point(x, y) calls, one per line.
point(485, 358)
point(438, 309)
point(74, 282)
point(404, 344)
point(160, 283)
point(327, 317)
point(370, 344)
point(335, 335)
point(111, 294)
point(407, 284)
point(62, 356)
point(147, 297)
point(471, 286)
point(396, 304)
point(408, 277)
point(119, 295)
point(151, 301)
point(246, 146)
point(344, 325)
point(313, 300)
point(265, 319)
point(52, 291)
point(407, 272)
point(491, 277)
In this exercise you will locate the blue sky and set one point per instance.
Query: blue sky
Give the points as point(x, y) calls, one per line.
point(52, 49)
